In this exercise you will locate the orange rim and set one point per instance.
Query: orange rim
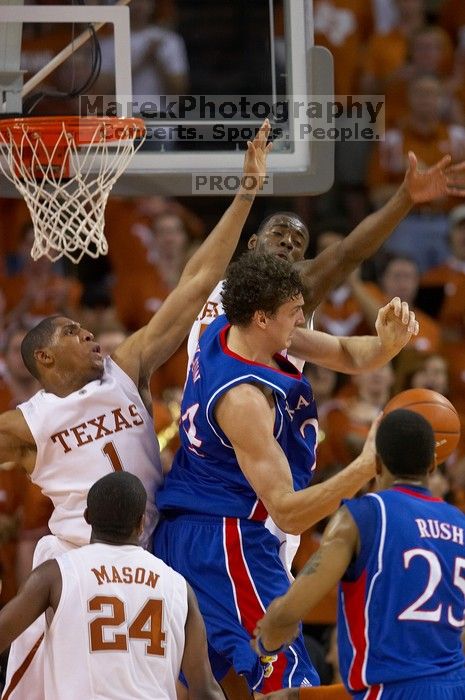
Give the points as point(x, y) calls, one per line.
point(82, 129)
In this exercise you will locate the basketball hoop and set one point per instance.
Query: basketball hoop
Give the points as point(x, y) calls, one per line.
point(65, 167)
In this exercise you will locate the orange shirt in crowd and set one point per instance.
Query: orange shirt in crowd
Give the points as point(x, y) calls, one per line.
point(429, 336)
point(451, 277)
point(390, 158)
point(343, 26)
point(340, 314)
point(385, 54)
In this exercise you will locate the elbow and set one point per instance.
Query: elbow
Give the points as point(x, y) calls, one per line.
point(286, 520)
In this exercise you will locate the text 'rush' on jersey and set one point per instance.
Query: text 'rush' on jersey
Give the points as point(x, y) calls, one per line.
point(401, 603)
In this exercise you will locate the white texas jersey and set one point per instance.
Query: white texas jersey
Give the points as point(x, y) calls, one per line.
point(211, 309)
point(81, 437)
point(118, 631)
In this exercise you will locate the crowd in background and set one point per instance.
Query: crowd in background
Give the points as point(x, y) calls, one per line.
point(413, 51)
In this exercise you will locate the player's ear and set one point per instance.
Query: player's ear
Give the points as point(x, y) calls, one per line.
point(252, 242)
point(140, 527)
point(86, 516)
point(43, 357)
point(433, 465)
point(260, 318)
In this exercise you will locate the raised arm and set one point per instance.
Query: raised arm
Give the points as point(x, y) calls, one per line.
point(329, 269)
point(16, 442)
point(195, 663)
point(151, 346)
point(320, 574)
point(395, 325)
point(246, 418)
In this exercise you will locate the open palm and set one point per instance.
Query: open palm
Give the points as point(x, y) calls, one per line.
point(441, 180)
point(257, 152)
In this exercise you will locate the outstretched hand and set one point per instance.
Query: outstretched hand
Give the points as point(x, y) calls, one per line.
point(396, 324)
point(254, 169)
point(441, 180)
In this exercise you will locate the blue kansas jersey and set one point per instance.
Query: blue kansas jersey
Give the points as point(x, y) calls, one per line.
point(205, 477)
point(401, 603)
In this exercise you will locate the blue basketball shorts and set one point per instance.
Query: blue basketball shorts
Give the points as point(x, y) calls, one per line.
point(449, 686)
point(233, 565)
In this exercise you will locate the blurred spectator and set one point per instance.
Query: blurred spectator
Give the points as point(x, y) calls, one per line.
point(447, 283)
point(430, 54)
point(422, 234)
point(24, 510)
point(430, 371)
point(97, 310)
point(325, 386)
point(343, 26)
point(140, 288)
point(158, 58)
point(340, 312)
point(387, 52)
point(34, 289)
point(16, 383)
point(348, 423)
point(399, 276)
point(13, 482)
point(422, 371)
point(110, 338)
point(448, 280)
point(153, 233)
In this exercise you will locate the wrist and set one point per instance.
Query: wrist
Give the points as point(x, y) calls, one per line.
point(251, 183)
point(246, 196)
point(268, 652)
point(365, 467)
point(405, 196)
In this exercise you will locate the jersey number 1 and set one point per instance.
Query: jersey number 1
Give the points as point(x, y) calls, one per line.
point(109, 450)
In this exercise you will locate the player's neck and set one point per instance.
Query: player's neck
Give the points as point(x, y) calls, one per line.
point(98, 539)
point(64, 385)
point(410, 481)
point(245, 343)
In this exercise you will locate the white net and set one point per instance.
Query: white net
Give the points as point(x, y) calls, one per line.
point(65, 182)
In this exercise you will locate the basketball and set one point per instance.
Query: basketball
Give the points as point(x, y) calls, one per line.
point(438, 411)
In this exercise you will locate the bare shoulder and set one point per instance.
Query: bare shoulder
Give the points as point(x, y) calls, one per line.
point(14, 424)
point(342, 526)
point(244, 397)
point(17, 444)
point(244, 409)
